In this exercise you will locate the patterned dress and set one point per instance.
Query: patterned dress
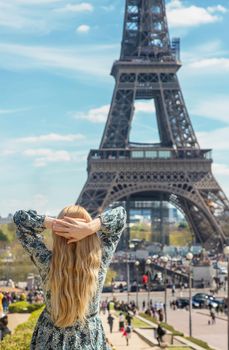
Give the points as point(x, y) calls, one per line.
point(46, 335)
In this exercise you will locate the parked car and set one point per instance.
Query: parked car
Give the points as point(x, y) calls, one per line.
point(202, 299)
point(183, 303)
point(107, 289)
point(219, 301)
point(157, 288)
point(133, 287)
point(205, 300)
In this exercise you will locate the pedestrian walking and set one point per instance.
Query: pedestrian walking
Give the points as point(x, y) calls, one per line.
point(160, 332)
point(145, 279)
point(110, 320)
point(4, 330)
point(5, 303)
point(127, 333)
point(213, 317)
point(1, 306)
point(129, 319)
point(181, 289)
point(160, 315)
point(121, 322)
point(104, 306)
point(72, 273)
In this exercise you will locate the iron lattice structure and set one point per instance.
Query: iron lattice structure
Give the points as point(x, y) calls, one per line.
point(176, 169)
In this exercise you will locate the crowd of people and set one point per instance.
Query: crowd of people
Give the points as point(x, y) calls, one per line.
point(125, 313)
point(125, 316)
point(7, 298)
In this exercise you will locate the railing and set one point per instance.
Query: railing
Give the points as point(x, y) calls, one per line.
point(149, 153)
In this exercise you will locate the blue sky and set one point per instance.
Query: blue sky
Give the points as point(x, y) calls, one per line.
point(55, 90)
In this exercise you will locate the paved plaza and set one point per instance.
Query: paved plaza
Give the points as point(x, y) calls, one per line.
point(16, 319)
point(118, 341)
point(215, 335)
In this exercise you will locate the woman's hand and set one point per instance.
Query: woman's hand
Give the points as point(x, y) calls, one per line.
point(48, 222)
point(75, 230)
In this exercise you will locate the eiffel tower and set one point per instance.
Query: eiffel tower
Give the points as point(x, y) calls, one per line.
point(176, 170)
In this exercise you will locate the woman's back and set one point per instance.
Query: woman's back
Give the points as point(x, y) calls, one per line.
point(88, 335)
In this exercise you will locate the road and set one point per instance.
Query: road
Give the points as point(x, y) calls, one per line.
point(214, 334)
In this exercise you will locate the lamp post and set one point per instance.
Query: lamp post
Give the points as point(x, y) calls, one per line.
point(128, 276)
point(226, 253)
point(137, 263)
point(8, 259)
point(128, 261)
point(148, 263)
point(189, 257)
point(164, 260)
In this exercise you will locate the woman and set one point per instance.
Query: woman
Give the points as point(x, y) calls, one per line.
point(121, 321)
point(4, 330)
point(72, 273)
point(1, 305)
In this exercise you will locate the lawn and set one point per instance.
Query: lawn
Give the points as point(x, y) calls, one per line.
point(136, 323)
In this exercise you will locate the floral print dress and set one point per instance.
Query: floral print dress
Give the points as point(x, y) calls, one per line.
point(46, 335)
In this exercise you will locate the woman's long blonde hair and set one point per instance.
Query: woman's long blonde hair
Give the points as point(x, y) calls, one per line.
point(73, 273)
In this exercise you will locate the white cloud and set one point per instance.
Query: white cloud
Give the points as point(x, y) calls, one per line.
point(12, 111)
point(39, 16)
point(108, 8)
point(26, 57)
point(216, 107)
point(82, 7)
point(51, 138)
point(206, 49)
point(38, 202)
point(83, 28)
point(180, 15)
point(145, 107)
point(100, 114)
point(217, 8)
point(94, 115)
point(7, 152)
point(221, 172)
point(34, 2)
point(220, 169)
point(44, 156)
point(17, 17)
point(19, 146)
point(209, 58)
point(219, 64)
point(217, 139)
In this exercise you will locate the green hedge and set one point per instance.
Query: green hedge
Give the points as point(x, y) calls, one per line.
point(199, 342)
point(24, 307)
point(21, 338)
point(164, 325)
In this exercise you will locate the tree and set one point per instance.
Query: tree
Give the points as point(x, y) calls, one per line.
point(3, 237)
point(111, 274)
point(141, 231)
